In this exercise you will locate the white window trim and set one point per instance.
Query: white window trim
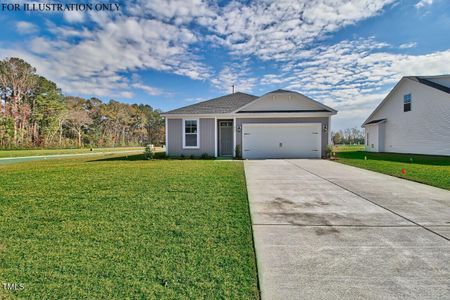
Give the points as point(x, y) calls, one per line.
point(407, 102)
point(184, 133)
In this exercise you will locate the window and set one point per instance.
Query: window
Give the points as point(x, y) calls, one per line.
point(190, 133)
point(226, 123)
point(407, 102)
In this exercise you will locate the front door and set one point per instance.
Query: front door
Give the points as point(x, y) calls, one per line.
point(225, 138)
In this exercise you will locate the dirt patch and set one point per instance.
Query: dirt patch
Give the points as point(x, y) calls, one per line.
point(281, 203)
point(326, 230)
point(286, 210)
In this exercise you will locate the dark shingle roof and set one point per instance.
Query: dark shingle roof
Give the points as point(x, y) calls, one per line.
point(432, 84)
point(279, 91)
point(376, 121)
point(221, 105)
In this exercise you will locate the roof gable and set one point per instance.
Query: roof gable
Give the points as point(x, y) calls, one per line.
point(284, 101)
point(278, 101)
point(220, 105)
point(417, 80)
point(384, 101)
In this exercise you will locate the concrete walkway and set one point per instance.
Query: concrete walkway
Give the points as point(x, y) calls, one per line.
point(324, 230)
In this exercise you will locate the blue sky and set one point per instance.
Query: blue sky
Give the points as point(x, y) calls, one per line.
point(174, 53)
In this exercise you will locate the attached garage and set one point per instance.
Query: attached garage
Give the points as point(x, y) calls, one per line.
point(281, 140)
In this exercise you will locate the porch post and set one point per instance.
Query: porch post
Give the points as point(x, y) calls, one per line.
point(167, 136)
point(215, 137)
point(329, 131)
point(234, 137)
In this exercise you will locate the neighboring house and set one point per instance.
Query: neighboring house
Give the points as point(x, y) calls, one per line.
point(413, 118)
point(279, 124)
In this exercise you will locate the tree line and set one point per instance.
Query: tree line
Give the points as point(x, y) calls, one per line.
point(348, 136)
point(35, 113)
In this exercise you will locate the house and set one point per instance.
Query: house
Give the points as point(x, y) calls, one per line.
point(279, 124)
point(413, 118)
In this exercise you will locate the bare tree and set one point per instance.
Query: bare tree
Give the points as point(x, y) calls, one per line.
point(78, 121)
point(337, 137)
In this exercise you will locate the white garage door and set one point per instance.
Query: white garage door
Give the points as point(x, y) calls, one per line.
point(281, 140)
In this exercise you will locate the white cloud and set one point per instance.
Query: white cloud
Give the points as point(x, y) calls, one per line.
point(176, 11)
point(423, 3)
point(155, 35)
point(64, 31)
point(234, 74)
point(74, 16)
point(95, 62)
point(275, 30)
point(195, 100)
point(152, 91)
point(26, 27)
point(127, 95)
point(408, 45)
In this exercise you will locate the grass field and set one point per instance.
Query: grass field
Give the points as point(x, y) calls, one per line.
point(36, 152)
point(428, 169)
point(126, 228)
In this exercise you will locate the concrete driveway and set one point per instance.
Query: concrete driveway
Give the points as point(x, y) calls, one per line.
point(324, 230)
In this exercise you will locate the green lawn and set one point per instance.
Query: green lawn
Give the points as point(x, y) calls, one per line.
point(36, 152)
point(126, 228)
point(432, 170)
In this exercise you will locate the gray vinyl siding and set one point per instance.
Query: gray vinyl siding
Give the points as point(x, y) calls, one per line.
point(381, 134)
point(175, 138)
point(323, 121)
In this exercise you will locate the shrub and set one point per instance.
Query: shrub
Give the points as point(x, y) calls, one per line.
point(205, 156)
point(159, 155)
point(238, 151)
point(182, 156)
point(329, 151)
point(148, 152)
point(192, 156)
